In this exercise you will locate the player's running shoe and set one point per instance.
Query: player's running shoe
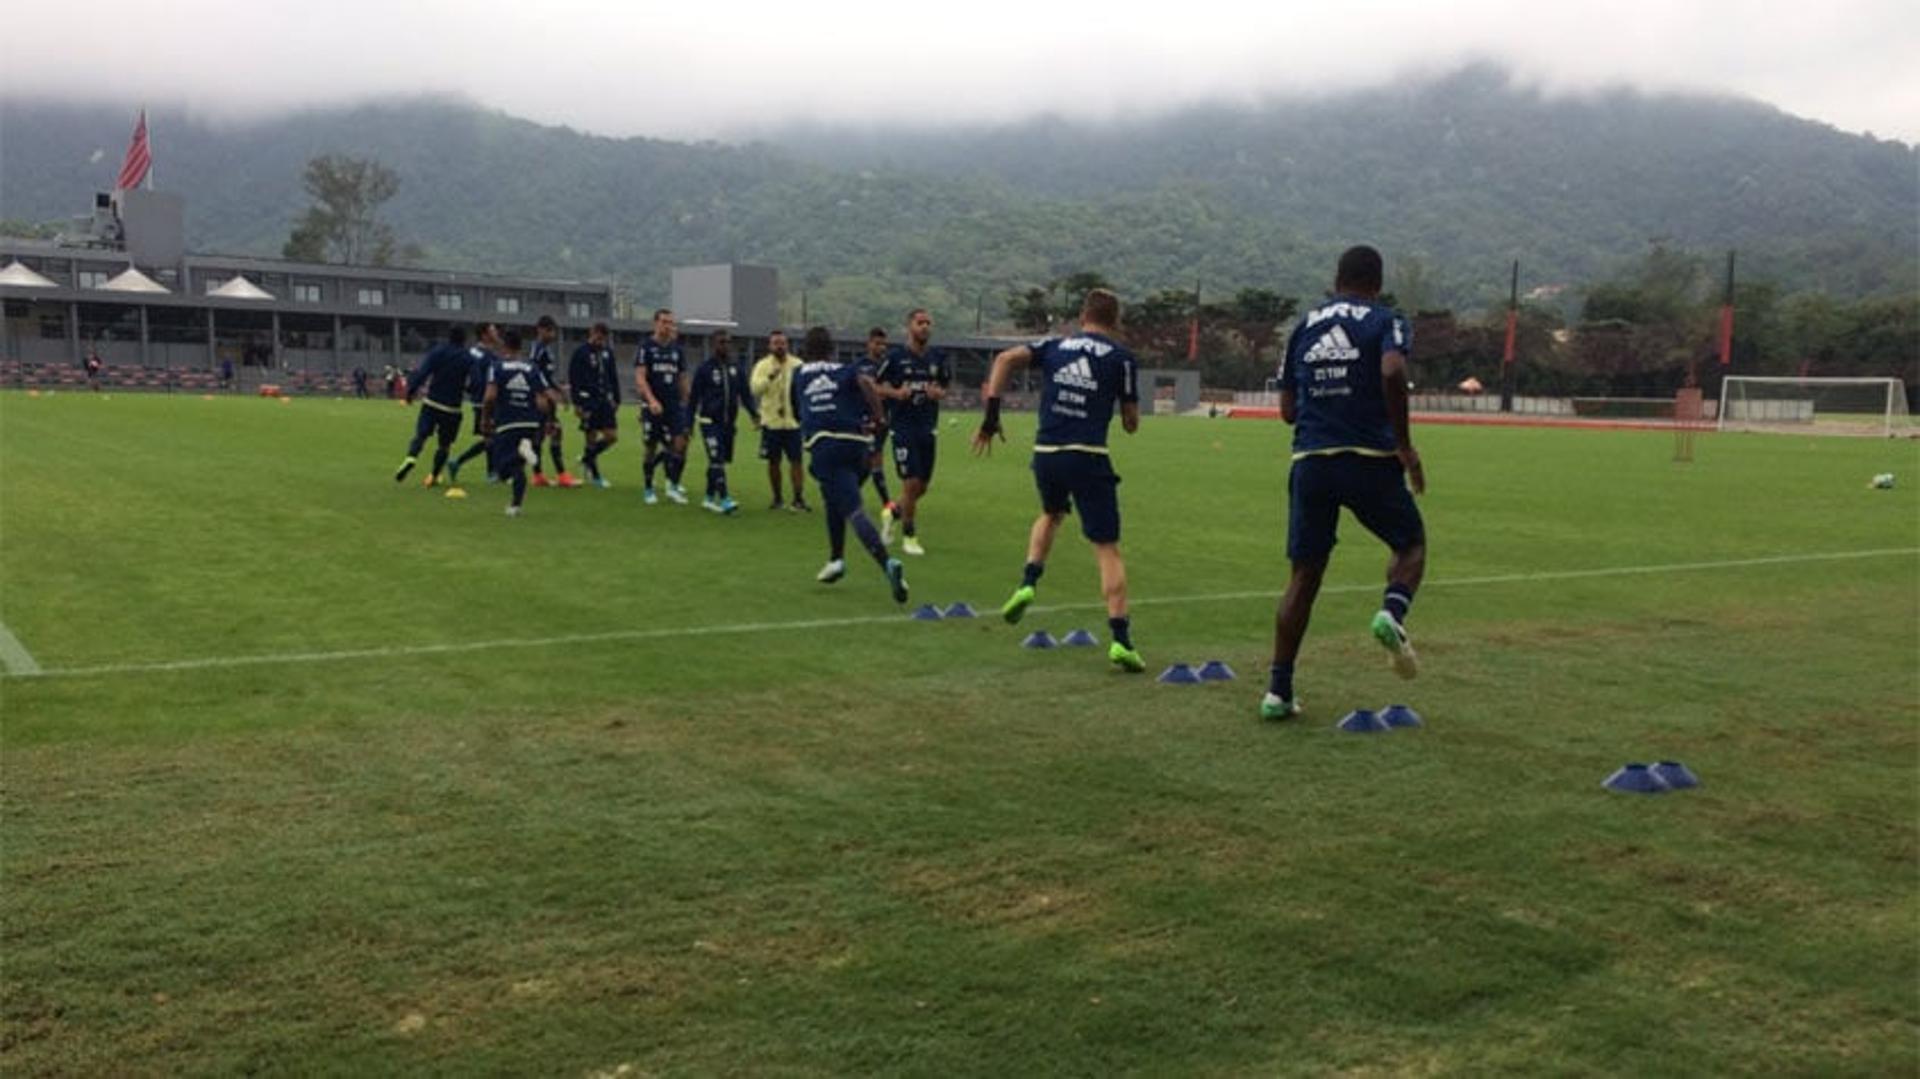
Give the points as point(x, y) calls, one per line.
point(676, 494)
point(799, 505)
point(911, 545)
point(831, 572)
point(602, 482)
point(1016, 605)
point(728, 506)
point(432, 480)
point(897, 580)
point(711, 504)
point(1393, 637)
point(565, 479)
point(454, 491)
point(1125, 658)
point(649, 497)
point(513, 511)
point(406, 466)
point(1274, 706)
point(540, 479)
point(886, 524)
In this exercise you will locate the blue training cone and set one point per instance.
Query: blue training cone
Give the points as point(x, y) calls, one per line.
point(1216, 670)
point(1039, 638)
point(1399, 715)
point(927, 613)
point(1675, 775)
point(1636, 779)
point(1080, 638)
point(1180, 674)
point(1362, 721)
point(960, 610)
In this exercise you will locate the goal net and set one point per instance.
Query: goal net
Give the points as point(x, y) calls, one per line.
point(1825, 406)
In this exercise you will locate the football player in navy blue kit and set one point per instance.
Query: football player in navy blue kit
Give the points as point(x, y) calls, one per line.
point(1084, 376)
point(660, 374)
point(517, 406)
point(1343, 387)
point(717, 392)
point(486, 341)
point(839, 410)
point(438, 382)
point(877, 460)
point(545, 333)
point(913, 379)
point(595, 387)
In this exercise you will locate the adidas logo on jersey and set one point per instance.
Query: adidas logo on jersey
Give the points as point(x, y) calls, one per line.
point(820, 384)
point(1078, 374)
point(1334, 345)
point(517, 382)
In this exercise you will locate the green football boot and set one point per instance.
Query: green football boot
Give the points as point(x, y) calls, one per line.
point(1016, 606)
point(1274, 706)
point(1393, 637)
point(1125, 658)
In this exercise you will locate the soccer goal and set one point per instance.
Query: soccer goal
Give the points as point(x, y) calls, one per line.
point(1823, 406)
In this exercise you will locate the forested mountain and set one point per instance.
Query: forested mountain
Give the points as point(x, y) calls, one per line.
point(1452, 178)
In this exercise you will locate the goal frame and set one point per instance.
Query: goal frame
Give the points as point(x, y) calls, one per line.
point(1888, 386)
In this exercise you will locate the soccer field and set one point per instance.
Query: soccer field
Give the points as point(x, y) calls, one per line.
point(324, 774)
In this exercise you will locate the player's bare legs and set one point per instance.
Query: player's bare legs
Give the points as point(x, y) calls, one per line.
point(1289, 628)
point(1405, 568)
point(1113, 586)
point(1039, 545)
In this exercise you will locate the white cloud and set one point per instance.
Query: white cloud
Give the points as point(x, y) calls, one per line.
point(719, 68)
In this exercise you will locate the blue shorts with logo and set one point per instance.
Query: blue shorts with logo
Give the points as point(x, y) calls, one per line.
point(672, 422)
point(777, 444)
point(600, 416)
point(1374, 489)
point(719, 440)
point(913, 454)
point(838, 465)
point(503, 453)
point(1072, 480)
point(435, 423)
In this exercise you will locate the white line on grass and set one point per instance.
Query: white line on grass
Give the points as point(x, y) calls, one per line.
point(401, 651)
point(14, 655)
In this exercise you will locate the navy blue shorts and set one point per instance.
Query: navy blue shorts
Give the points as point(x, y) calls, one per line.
point(777, 444)
point(838, 465)
point(1373, 488)
point(437, 424)
point(670, 424)
point(719, 440)
point(1070, 480)
point(503, 453)
point(913, 454)
point(600, 417)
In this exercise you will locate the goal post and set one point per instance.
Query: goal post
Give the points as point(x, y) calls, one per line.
point(1822, 406)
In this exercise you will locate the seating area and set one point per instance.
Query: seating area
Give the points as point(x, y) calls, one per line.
point(22, 375)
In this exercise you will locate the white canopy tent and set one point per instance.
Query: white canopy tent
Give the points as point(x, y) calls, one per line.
point(239, 288)
point(17, 275)
point(132, 280)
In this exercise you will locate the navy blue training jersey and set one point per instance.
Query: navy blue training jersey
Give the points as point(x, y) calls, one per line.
point(516, 402)
point(827, 397)
point(479, 372)
point(1333, 368)
point(664, 364)
point(591, 376)
point(443, 371)
point(717, 390)
point(1085, 376)
point(541, 356)
point(918, 413)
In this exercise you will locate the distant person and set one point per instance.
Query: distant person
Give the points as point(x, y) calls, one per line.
point(1343, 387)
point(594, 384)
point(226, 375)
point(877, 460)
point(912, 381)
point(717, 391)
point(390, 380)
point(94, 366)
point(439, 382)
point(838, 406)
point(1083, 377)
point(545, 333)
point(772, 385)
point(517, 405)
point(660, 374)
point(481, 356)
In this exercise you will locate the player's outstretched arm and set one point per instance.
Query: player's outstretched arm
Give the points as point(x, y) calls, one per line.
point(1393, 383)
point(870, 390)
point(1004, 365)
point(486, 408)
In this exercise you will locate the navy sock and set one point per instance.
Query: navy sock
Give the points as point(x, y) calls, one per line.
point(439, 460)
point(1122, 630)
point(869, 536)
point(559, 463)
point(676, 467)
point(653, 463)
point(880, 485)
point(1280, 681)
point(591, 459)
point(1398, 601)
point(721, 490)
point(1031, 575)
point(519, 485)
point(910, 527)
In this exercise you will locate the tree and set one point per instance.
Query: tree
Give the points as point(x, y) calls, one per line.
point(1029, 310)
point(1257, 317)
point(343, 224)
point(1074, 288)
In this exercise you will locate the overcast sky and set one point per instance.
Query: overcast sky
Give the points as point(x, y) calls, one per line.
point(719, 69)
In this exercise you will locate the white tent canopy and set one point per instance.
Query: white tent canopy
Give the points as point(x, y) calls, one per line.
point(132, 280)
point(17, 275)
point(239, 288)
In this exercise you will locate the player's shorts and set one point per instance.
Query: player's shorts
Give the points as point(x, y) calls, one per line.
point(435, 423)
point(503, 454)
point(913, 454)
point(719, 441)
point(671, 423)
point(838, 465)
point(777, 444)
point(1070, 480)
point(601, 417)
point(1373, 488)
point(477, 411)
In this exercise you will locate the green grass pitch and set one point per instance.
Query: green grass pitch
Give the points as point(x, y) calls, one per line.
point(823, 838)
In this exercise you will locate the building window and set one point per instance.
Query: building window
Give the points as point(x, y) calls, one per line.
point(579, 309)
point(308, 294)
point(53, 327)
point(373, 297)
point(507, 305)
point(449, 301)
point(92, 278)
